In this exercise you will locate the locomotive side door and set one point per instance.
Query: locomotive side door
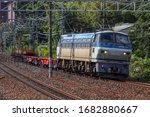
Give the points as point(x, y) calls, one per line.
point(72, 48)
point(93, 44)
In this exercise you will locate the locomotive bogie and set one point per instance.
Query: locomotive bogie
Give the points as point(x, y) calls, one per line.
point(112, 68)
point(76, 66)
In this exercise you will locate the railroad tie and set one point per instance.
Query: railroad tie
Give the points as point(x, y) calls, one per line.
point(2, 77)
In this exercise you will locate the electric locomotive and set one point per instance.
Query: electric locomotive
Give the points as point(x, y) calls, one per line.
point(104, 53)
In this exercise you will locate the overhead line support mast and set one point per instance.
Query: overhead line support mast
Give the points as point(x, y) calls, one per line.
point(50, 39)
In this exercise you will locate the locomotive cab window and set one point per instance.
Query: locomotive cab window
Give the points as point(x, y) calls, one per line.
point(120, 38)
point(107, 37)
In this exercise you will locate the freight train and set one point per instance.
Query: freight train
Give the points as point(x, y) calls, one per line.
point(104, 53)
point(28, 56)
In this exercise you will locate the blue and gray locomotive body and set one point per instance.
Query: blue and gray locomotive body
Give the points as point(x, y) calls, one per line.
point(105, 53)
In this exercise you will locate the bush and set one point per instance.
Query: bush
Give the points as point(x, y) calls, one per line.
point(44, 52)
point(140, 68)
point(8, 51)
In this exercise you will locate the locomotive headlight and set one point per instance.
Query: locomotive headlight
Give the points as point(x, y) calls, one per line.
point(104, 51)
point(126, 53)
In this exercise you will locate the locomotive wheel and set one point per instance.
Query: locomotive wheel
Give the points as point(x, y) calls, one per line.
point(35, 62)
point(41, 64)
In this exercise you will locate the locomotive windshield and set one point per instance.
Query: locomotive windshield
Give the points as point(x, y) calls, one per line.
point(107, 37)
point(120, 38)
point(114, 38)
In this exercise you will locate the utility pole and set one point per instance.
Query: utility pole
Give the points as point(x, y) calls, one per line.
point(50, 39)
point(12, 20)
point(103, 6)
point(33, 23)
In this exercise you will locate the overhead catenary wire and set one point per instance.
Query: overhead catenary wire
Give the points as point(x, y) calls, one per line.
point(127, 5)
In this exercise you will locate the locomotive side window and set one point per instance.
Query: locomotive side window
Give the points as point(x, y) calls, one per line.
point(120, 38)
point(107, 37)
point(97, 37)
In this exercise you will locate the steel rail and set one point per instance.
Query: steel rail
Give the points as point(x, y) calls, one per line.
point(38, 85)
point(146, 85)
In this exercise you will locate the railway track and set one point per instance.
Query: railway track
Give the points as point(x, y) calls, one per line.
point(50, 91)
point(127, 82)
point(146, 85)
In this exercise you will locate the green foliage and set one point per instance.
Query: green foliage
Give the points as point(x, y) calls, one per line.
point(79, 22)
point(140, 38)
point(140, 68)
point(41, 50)
point(24, 41)
point(8, 51)
point(44, 52)
point(128, 17)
